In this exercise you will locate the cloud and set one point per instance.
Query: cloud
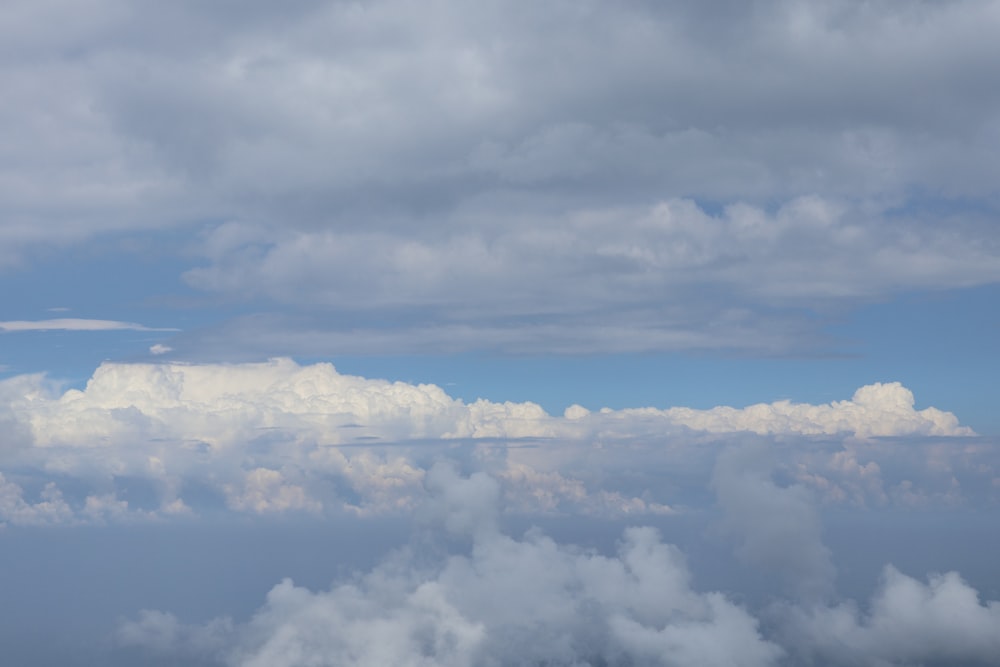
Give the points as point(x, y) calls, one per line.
point(275, 437)
point(513, 177)
point(508, 601)
point(940, 622)
point(265, 491)
point(778, 529)
point(224, 404)
point(501, 599)
point(73, 324)
point(50, 509)
point(880, 409)
point(666, 277)
point(159, 349)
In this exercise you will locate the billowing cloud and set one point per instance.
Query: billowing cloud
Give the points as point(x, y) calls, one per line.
point(529, 601)
point(223, 405)
point(279, 437)
point(533, 601)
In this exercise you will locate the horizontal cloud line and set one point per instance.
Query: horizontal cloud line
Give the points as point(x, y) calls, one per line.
point(75, 324)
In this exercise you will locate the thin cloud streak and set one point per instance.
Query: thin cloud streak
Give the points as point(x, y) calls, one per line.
point(75, 324)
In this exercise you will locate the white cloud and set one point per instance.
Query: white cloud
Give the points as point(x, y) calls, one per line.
point(51, 508)
point(880, 409)
point(160, 348)
point(277, 437)
point(73, 324)
point(265, 491)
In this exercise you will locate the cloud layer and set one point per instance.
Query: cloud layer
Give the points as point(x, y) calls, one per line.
point(278, 437)
point(384, 176)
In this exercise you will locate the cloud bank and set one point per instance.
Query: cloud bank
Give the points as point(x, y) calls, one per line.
point(277, 437)
point(222, 405)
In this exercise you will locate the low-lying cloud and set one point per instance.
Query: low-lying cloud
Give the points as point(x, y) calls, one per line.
point(530, 600)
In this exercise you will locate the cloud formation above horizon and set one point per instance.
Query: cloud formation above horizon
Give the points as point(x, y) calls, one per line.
point(278, 437)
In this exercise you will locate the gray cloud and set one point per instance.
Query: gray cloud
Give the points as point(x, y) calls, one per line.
point(669, 276)
point(941, 622)
point(777, 529)
point(489, 178)
point(529, 600)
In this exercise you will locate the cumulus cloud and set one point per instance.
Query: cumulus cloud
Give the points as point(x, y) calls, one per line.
point(880, 409)
point(530, 600)
point(224, 404)
point(509, 601)
point(279, 437)
point(51, 508)
point(941, 622)
point(265, 491)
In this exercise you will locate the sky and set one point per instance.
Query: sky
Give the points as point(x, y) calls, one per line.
point(499, 333)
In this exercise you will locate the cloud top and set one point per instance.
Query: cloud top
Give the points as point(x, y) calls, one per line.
point(278, 437)
point(223, 404)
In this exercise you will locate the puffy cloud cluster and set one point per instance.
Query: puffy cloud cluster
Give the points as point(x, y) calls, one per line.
point(533, 601)
point(529, 601)
point(874, 410)
point(279, 437)
point(223, 405)
point(776, 527)
point(941, 622)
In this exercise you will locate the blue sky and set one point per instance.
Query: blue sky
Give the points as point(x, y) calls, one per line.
point(663, 279)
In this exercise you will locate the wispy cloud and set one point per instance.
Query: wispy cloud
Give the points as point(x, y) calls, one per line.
point(75, 324)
